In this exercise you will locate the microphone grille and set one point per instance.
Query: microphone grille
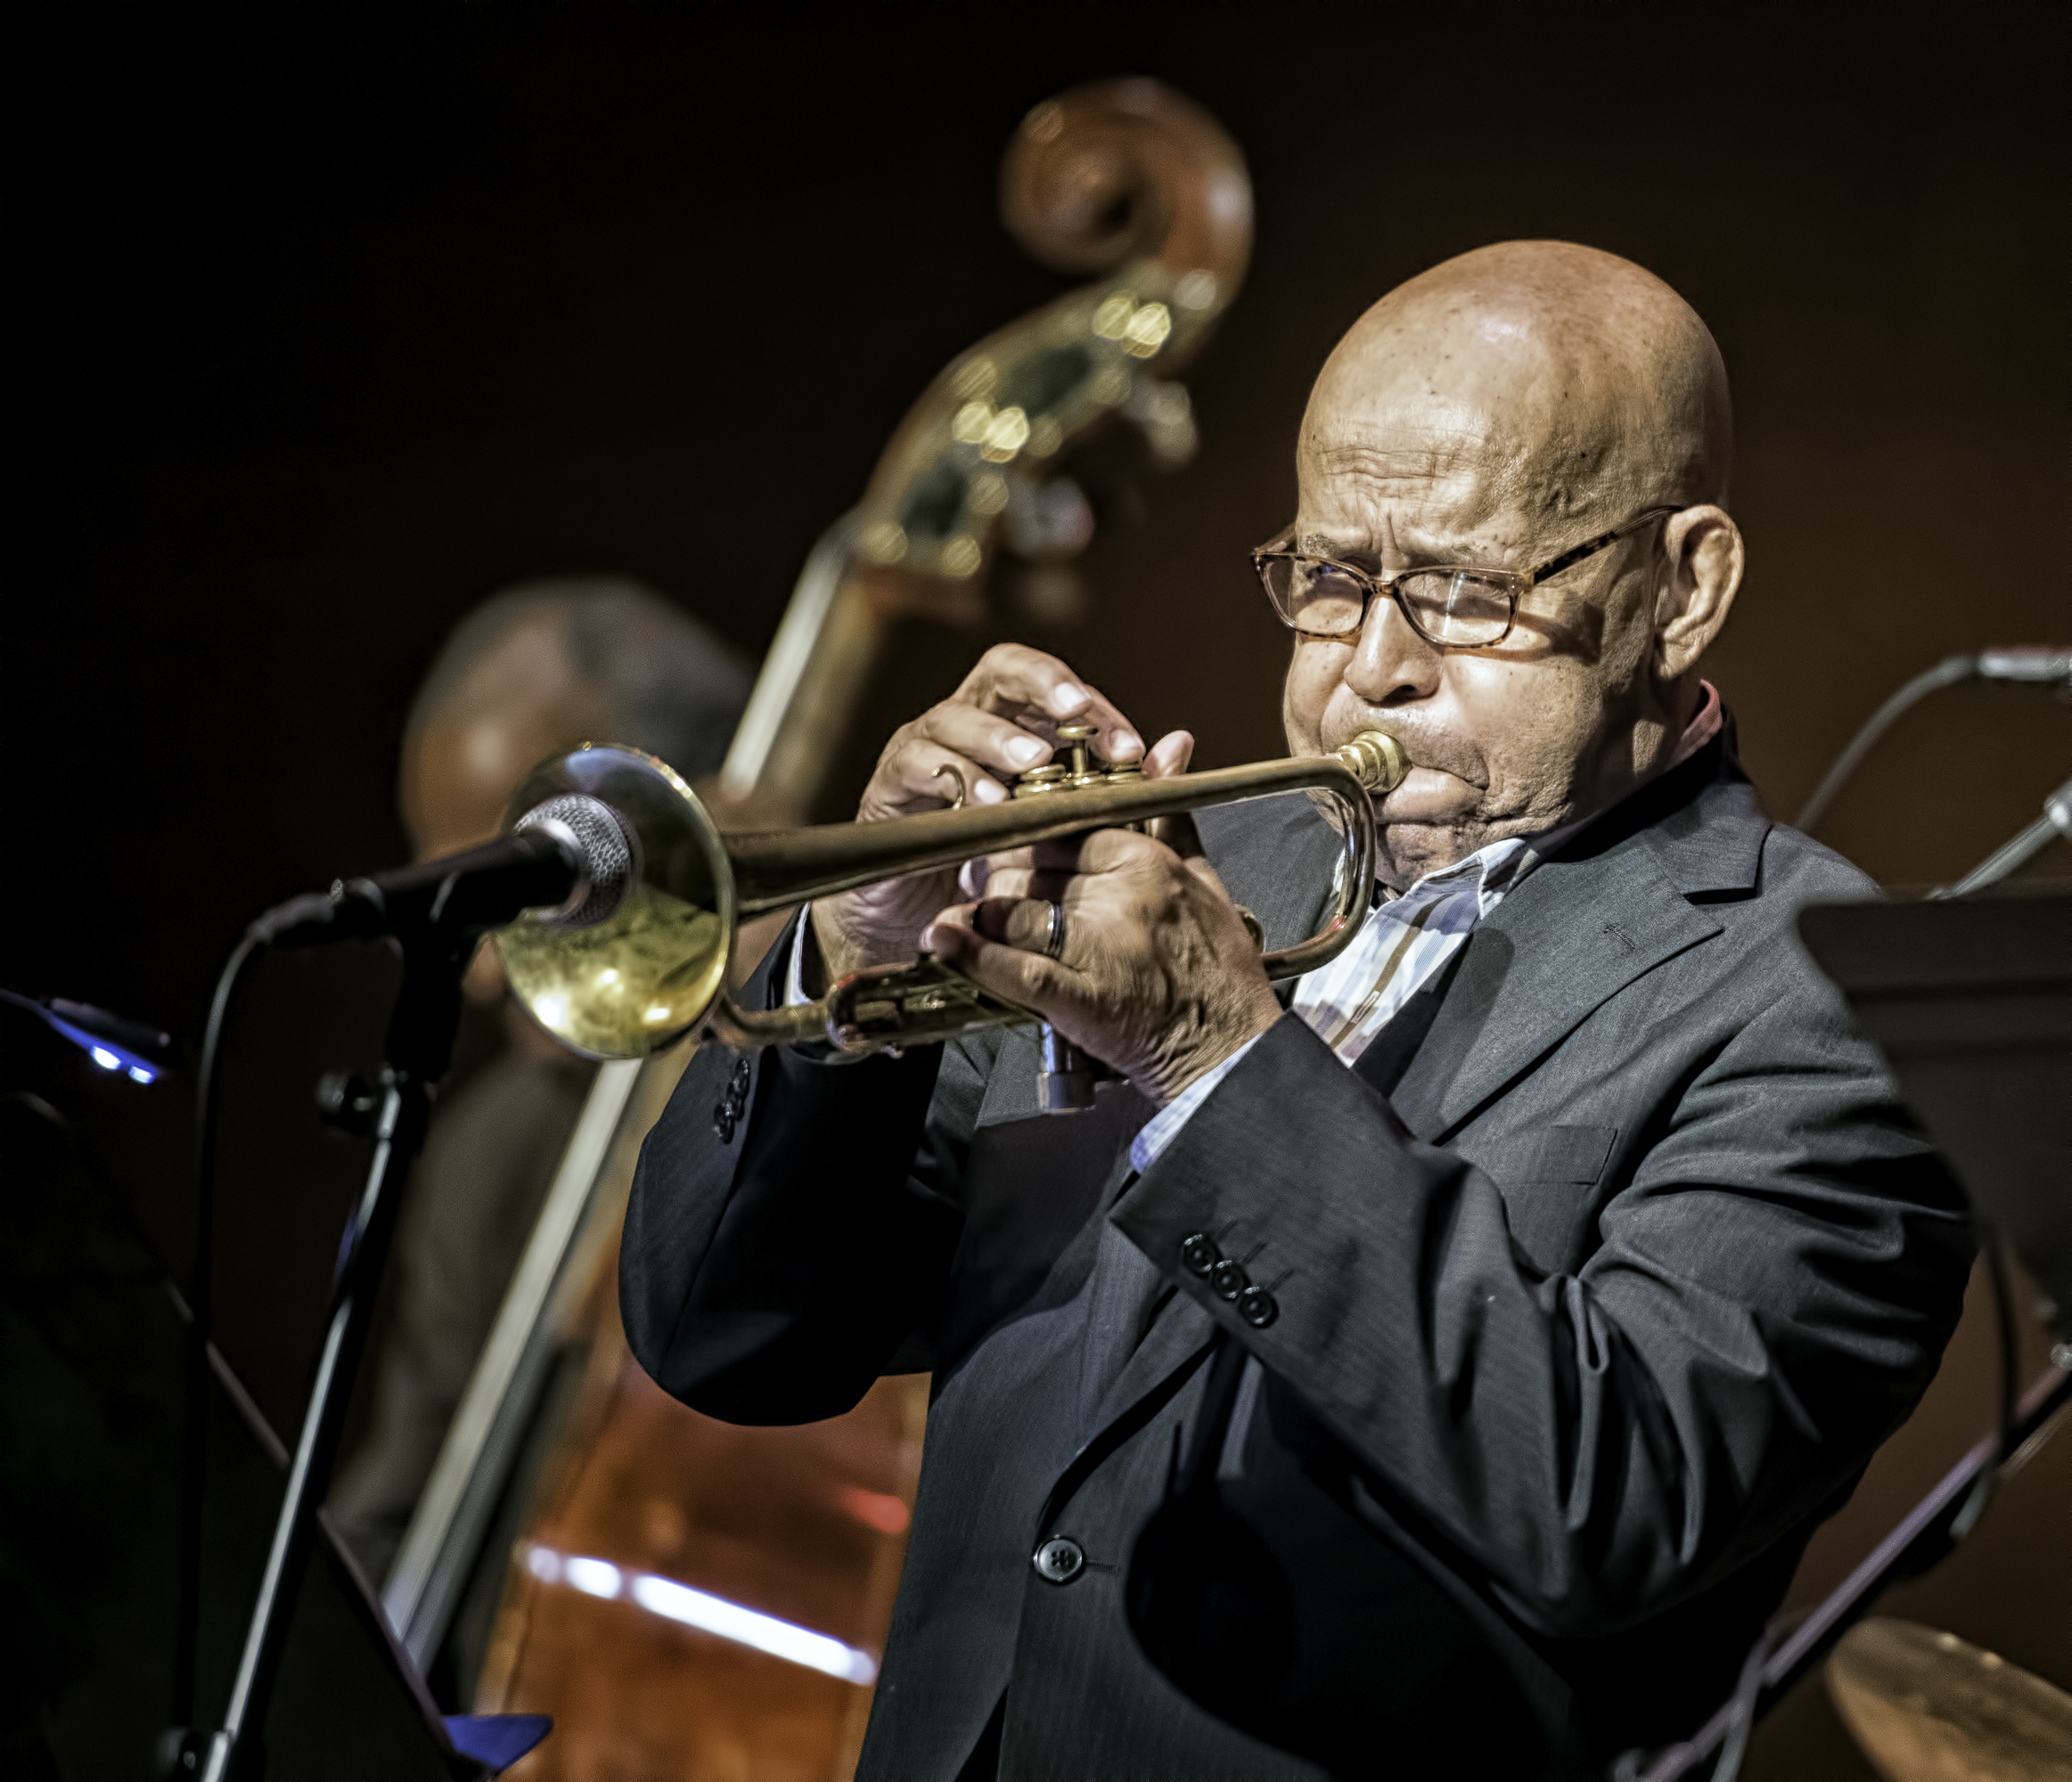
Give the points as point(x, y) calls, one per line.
point(610, 857)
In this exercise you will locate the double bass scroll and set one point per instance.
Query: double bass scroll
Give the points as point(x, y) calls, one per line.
point(1125, 179)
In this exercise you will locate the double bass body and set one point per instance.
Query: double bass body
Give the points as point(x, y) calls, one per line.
point(688, 1598)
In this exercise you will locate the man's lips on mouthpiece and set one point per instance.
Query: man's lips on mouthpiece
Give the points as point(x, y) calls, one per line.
point(1425, 793)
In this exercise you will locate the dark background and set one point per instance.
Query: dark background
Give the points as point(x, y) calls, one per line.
point(328, 326)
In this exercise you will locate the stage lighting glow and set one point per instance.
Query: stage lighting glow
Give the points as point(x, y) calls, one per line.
point(700, 1609)
point(880, 1511)
point(747, 1627)
point(593, 1577)
point(139, 1052)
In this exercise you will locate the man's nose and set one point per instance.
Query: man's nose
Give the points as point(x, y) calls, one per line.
point(1392, 664)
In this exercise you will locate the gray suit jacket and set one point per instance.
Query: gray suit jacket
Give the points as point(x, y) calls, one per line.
point(1592, 1289)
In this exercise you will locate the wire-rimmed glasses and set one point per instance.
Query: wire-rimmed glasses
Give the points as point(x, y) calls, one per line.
point(1458, 605)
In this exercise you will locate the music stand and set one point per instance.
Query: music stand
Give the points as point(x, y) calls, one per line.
point(1970, 1001)
point(349, 1646)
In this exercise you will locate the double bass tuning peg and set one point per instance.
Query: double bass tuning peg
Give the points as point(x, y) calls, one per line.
point(1125, 179)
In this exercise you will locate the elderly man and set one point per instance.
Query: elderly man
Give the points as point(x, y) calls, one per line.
point(1440, 1374)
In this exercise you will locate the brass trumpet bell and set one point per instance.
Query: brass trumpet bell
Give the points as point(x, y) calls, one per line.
point(631, 967)
point(637, 956)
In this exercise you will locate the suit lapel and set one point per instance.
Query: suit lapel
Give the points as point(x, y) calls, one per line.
point(1572, 936)
point(1579, 928)
point(1613, 904)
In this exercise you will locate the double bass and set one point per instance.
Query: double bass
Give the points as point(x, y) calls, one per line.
point(686, 1597)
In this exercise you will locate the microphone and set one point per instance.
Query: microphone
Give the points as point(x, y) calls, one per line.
point(2026, 662)
point(573, 857)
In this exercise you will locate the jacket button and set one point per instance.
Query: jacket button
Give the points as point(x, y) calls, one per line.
point(1257, 1307)
point(727, 1114)
point(1229, 1280)
point(1060, 1559)
point(1199, 1254)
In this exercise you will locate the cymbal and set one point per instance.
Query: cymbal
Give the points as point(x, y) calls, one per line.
point(1925, 1707)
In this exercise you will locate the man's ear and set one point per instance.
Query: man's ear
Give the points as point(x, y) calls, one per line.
point(1704, 552)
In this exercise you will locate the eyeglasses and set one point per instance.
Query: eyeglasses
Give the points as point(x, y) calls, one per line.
point(1453, 604)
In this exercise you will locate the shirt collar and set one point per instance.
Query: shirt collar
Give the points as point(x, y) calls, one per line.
point(1456, 897)
point(1701, 729)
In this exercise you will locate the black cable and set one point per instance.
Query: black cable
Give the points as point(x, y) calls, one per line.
point(1946, 673)
point(1982, 1493)
point(187, 1643)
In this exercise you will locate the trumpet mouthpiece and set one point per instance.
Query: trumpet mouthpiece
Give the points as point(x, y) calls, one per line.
point(1377, 758)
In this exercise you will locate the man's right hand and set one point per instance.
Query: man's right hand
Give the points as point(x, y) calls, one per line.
point(1002, 721)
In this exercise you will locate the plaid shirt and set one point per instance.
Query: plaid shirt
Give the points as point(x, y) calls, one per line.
point(1399, 948)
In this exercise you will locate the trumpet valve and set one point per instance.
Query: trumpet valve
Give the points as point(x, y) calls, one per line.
point(1084, 768)
point(1052, 777)
point(1080, 766)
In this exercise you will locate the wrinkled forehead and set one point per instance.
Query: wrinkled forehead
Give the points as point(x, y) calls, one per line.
point(1426, 476)
point(1460, 434)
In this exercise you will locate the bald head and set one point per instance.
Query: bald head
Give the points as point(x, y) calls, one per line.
point(1499, 412)
point(1574, 384)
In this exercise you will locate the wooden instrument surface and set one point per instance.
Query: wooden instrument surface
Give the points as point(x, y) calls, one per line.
point(805, 1528)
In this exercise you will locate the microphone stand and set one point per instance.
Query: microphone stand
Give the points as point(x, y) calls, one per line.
point(434, 912)
point(422, 1031)
point(2055, 822)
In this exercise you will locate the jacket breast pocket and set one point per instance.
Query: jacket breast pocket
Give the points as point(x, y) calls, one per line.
point(1549, 1181)
point(1568, 1155)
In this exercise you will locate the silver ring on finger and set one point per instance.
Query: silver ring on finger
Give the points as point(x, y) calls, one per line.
point(1054, 942)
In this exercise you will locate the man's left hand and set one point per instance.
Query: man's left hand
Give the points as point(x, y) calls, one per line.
point(1159, 977)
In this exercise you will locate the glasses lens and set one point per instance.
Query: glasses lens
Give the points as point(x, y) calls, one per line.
point(1454, 608)
point(1316, 598)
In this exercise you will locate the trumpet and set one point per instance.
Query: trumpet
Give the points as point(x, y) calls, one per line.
point(637, 957)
